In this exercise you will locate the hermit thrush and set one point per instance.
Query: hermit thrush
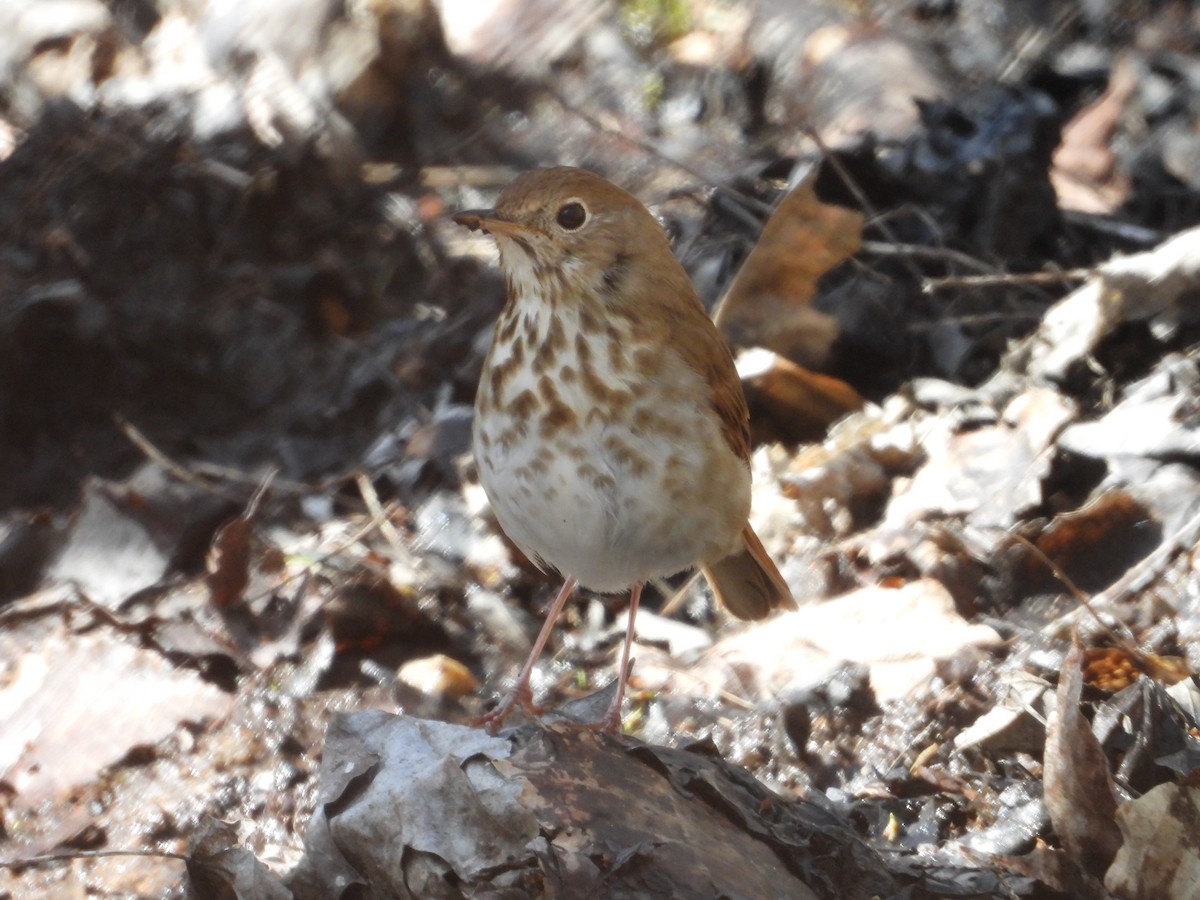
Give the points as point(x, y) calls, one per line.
point(611, 434)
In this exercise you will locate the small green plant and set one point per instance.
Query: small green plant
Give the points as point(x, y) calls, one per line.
point(648, 24)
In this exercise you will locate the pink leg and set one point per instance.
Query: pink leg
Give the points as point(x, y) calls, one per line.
point(612, 718)
point(521, 694)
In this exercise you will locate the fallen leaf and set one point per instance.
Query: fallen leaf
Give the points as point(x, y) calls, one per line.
point(81, 702)
point(769, 303)
point(438, 676)
point(228, 563)
point(221, 870)
point(1079, 789)
point(1084, 173)
point(898, 633)
point(110, 554)
point(1095, 544)
point(1158, 285)
point(789, 401)
point(991, 474)
point(1160, 856)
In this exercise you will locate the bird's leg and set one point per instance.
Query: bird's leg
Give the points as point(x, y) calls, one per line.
point(612, 718)
point(521, 694)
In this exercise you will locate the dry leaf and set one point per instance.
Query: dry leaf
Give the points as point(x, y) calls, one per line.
point(409, 806)
point(789, 401)
point(1084, 172)
point(221, 870)
point(900, 634)
point(1078, 786)
point(81, 702)
point(1095, 544)
point(228, 563)
point(1158, 286)
point(1160, 858)
point(438, 676)
point(769, 303)
point(991, 474)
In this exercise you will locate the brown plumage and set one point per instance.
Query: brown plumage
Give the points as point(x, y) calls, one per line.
point(611, 433)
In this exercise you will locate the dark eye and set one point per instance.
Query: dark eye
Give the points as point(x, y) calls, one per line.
point(571, 215)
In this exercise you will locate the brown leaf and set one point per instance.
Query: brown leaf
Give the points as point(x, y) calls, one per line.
point(1078, 786)
point(789, 401)
point(1085, 174)
point(1160, 858)
point(439, 676)
point(229, 562)
point(1097, 543)
point(769, 303)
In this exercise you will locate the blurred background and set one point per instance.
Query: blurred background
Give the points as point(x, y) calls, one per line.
point(240, 336)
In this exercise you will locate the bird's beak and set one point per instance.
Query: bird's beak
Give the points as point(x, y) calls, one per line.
point(488, 221)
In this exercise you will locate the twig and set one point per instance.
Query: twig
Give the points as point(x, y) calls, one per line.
point(722, 693)
point(202, 474)
point(178, 470)
point(922, 251)
point(1136, 578)
point(264, 485)
point(1031, 46)
point(89, 854)
point(1124, 642)
point(372, 524)
point(367, 489)
point(676, 599)
point(930, 285)
point(1126, 231)
point(979, 319)
point(464, 176)
point(1140, 574)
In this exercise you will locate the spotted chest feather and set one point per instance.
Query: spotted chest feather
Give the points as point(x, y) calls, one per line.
point(573, 452)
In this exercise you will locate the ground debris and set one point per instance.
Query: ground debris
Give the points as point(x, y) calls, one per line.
point(959, 246)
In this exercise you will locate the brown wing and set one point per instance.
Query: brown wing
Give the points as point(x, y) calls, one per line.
point(703, 348)
point(660, 296)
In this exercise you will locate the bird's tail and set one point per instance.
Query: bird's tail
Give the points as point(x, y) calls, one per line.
point(746, 581)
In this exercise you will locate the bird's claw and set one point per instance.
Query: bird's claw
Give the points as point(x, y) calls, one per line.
point(521, 696)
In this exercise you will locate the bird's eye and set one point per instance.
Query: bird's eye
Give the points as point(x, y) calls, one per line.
point(571, 215)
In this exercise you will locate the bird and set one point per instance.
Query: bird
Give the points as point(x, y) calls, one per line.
point(610, 433)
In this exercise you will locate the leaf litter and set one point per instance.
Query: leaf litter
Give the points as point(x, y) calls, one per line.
point(981, 483)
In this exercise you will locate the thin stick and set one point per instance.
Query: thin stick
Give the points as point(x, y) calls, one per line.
point(923, 251)
point(980, 319)
point(1067, 582)
point(1140, 574)
point(89, 854)
point(676, 600)
point(178, 470)
point(1005, 279)
point(370, 496)
point(203, 473)
point(372, 524)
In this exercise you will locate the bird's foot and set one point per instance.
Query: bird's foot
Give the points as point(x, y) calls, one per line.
point(610, 724)
point(521, 696)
